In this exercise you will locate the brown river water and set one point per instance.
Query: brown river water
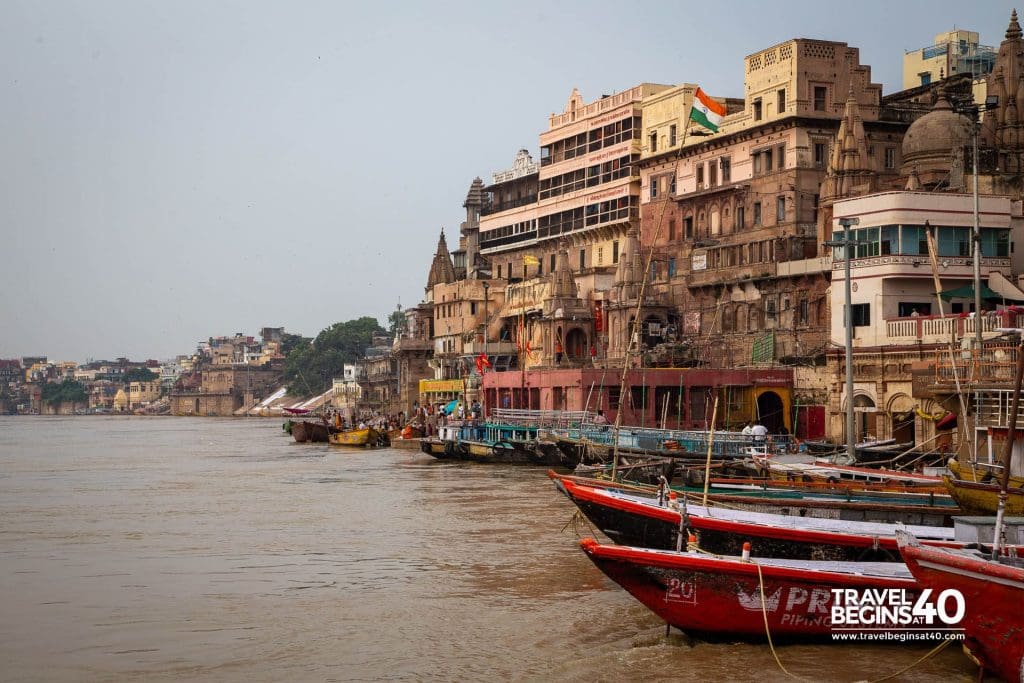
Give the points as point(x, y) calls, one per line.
point(141, 549)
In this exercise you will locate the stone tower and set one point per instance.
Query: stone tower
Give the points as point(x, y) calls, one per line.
point(471, 227)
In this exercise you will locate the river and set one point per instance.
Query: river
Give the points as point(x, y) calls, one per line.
point(141, 548)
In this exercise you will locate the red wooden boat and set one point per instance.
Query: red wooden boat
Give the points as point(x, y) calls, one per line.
point(993, 592)
point(721, 597)
point(640, 521)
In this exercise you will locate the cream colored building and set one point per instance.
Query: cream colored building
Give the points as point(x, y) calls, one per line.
point(953, 52)
point(142, 393)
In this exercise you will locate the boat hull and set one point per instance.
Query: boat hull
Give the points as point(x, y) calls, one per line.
point(983, 499)
point(304, 431)
point(359, 438)
point(718, 597)
point(993, 594)
point(631, 521)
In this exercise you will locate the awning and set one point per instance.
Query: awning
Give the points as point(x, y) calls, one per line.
point(1004, 287)
point(967, 292)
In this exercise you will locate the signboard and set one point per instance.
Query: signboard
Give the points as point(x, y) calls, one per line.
point(440, 386)
point(699, 262)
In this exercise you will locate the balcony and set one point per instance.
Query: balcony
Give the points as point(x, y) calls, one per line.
point(935, 329)
point(993, 365)
point(493, 348)
point(412, 344)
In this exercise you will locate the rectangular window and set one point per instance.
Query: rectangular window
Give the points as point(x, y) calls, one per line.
point(861, 315)
point(654, 271)
point(540, 267)
point(757, 163)
point(671, 229)
point(781, 97)
point(688, 227)
point(780, 209)
point(552, 263)
point(672, 135)
point(780, 156)
point(890, 157)
point(767, 161)
point(583, 259)
point(726, 166)
point(654, 188)
point(995, 243)
point(713, 173)
point(819, 155)
point(699, 172)
point(757, 109)
point(499, 271)
point(740, 211)
point(890, 240)
point(802, 311)
point(671, 267)
point(954, 242)
point(472, 308)
point(757, 213)
point(600, 256)
point(615, 251)
point(654, 142)
point(820, 95)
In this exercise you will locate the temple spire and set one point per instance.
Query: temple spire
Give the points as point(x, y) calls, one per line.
point(1013, 30)
point(442, 270)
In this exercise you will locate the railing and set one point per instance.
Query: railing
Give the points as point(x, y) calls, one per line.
point(993, 364)
point(934, 329)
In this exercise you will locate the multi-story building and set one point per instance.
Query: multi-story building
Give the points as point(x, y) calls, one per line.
point(345, 391)
point(953, 52)
point(141, 394)
point(377, 375)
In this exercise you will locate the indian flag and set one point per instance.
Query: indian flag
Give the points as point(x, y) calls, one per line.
point(706, 111)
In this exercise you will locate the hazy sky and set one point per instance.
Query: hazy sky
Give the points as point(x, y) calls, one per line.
point(175, 170)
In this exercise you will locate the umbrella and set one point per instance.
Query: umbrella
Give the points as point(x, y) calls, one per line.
point(967, 292)
point(450, 408)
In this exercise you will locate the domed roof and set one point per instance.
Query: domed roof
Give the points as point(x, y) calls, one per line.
point(930, 141)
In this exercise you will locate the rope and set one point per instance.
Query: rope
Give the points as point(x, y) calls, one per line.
point(575, 522)
point(767, 631)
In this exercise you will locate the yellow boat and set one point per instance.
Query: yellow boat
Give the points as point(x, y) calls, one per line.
point(982, 473)
point(355, 437)
point(975, 498)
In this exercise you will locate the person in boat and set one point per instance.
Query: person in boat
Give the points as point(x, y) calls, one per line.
point(476, 410)
point(748, 429)
point(601, 420)
point(759, 431)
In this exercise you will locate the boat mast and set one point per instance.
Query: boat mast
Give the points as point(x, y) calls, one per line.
point(1004, 480)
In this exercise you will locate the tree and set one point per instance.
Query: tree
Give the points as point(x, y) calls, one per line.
point(291, 341)
point(68, 391)
point(396, 321)
point(139, 375)
point(311, 366)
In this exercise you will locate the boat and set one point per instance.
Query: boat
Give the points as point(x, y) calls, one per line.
point(726, 597)
point(975, 498)
point(411, 444)
point(993, 593)
point(309, 430)
point(630, 519)
point(981, 472)
point(890, 508)
point(356, 437)
point(489, 442)
point(828, 472)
